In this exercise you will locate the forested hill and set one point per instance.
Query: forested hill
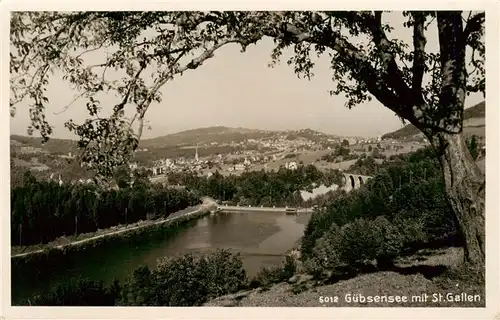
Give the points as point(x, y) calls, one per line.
point(475, 112)
point(221, 134)
point(218, 134)
point(53, 146)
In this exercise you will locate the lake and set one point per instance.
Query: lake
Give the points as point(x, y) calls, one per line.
point(262, 239)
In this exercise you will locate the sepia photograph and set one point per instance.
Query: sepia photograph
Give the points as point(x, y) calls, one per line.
point(303, 158)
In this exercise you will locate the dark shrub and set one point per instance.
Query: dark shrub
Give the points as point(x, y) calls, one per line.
point(269, 275)
point(77, 292)
point(179, 281)
point(390, 241)
point(313, 267)
point(139, 290)
point(289, 267)
point(275, 274)
point(410, 190)
point(224, 273)
point(327, 252)
point(411, 229)
point(363, 241)
point(186, 280)
point(360, 241)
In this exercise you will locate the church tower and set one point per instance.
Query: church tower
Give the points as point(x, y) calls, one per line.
point(196, 155)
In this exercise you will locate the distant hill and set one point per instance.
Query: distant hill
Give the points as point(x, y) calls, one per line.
point(173, 143)
point(474, 122)
point(53, 146)
point(221, 134)
point(218, 134)
point(309, 134)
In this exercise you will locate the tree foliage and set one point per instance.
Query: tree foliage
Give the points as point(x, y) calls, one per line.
point(423, 86)
point(411, 190)
point(186, 280)
point(142, 46)
point(43, 210)
point(149, 49)
point(78, 292)
point(278, 188)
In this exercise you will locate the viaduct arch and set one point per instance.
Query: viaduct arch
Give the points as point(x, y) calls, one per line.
point(354, 181)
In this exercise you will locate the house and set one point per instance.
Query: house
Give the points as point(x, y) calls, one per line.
point(133, 166)
point(292, 165)
point(247, 162)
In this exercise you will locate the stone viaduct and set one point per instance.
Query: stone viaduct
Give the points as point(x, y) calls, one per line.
point(354, 181)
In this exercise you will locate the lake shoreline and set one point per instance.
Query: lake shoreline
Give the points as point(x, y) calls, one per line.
point(36, 266)
point(67, 241)
point(113, 232)
point(37, 273)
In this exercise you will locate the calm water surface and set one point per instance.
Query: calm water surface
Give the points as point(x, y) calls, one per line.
point(262, 239)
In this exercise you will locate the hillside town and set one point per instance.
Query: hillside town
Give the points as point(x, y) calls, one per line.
point(283, 153)
point(280, 151)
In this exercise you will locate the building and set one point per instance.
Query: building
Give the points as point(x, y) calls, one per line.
point(247, 162)
point(68, 156)
point(30, 149)
point(133, 166)
point(292, 165)
point(157, 170)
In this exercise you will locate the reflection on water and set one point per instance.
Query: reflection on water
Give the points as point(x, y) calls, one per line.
point(261, 238)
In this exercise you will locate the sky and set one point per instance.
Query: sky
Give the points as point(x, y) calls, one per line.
point(237, 89)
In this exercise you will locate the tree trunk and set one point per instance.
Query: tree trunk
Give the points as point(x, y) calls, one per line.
point(465, 189)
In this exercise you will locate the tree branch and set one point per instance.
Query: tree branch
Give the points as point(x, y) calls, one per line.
point(453, 69)
point(451, 46)
point(419, 42)
point(124, 101)
point(168, 75)
point(396, 97)
point(66, 107)
point(474, 24)
point(392, 73)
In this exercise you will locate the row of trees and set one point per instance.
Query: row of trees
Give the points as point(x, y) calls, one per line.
point(341, 150)
point(342, 153)
point(278, 188)
point(43, 210)
point(366, 165)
